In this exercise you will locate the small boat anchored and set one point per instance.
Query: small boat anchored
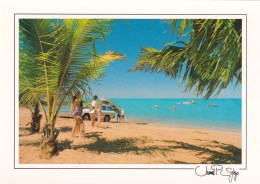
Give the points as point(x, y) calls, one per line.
point(173, 108)
point(189, 102)
point(155, 106)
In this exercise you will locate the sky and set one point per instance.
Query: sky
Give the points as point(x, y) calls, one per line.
point(128, 37)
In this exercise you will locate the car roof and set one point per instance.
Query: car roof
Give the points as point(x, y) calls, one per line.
point(102, 105)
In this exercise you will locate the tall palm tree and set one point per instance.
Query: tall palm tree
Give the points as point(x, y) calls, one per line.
point(207, 55)
point(57, 58)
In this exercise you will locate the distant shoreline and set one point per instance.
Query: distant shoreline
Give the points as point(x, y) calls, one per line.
point(164, 98)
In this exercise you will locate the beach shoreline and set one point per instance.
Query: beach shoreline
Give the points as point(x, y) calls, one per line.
point(132, 142)
point(183, 126)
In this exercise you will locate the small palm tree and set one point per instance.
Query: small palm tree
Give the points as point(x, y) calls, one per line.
point(207, 55)
point(57, 58)
point(33, 106)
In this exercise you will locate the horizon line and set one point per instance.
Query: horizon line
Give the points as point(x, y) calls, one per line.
point(168, 98)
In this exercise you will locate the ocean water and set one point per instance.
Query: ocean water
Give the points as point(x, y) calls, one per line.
point(226, 116)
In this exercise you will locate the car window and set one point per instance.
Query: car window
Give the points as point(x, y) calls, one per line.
point(110, 108)
point(103, 108)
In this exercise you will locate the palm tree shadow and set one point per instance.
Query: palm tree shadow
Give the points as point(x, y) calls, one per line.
point(25, 131)
point(124, 145)
point(177, 162)
point(93, 135)
point(65, 129)
point(66, 144)
point(230, 154)
point(30, 143)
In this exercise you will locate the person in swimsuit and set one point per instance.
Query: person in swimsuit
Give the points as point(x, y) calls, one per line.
point(79, 126)
point(93, 111)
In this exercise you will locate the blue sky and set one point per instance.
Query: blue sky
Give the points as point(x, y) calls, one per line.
point(128, 38)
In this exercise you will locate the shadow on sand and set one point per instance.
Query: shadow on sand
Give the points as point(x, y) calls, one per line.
point(229, 155)
point(66, 144)
point(124, 145)
point(65, 129)
point(30, 143)
point(93, 135)
point(24, 131)
point(141, 123)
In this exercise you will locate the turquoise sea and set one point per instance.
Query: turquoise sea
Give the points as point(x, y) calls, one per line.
point(227, 115)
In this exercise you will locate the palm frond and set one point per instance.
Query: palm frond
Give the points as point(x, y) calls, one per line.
point(58, 57)
point(209, 61)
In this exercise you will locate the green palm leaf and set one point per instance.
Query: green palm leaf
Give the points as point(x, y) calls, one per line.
point(209, 61)
point(58, 58)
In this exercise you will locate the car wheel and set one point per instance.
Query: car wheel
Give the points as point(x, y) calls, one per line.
point(106, 118)
point(86, 117)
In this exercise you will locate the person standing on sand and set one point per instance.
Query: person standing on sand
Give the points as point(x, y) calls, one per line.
point(99, 115)
point(79, 126)
point(118, 117)
point(93, 112)
point(122, 115)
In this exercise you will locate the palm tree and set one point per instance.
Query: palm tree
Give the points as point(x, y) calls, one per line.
point(33, 106)
point(207, 55)
point(57, 58)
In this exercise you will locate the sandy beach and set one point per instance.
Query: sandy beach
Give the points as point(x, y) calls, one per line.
point(131, 143)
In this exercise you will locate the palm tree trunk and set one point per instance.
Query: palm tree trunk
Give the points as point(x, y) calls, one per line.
point(50, 134)
point(49, 142)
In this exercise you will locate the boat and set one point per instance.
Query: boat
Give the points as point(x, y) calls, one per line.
point(173, 108)
point(155, 107)
point(189, 102)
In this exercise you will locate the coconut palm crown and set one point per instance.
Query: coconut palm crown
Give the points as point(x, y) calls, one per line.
point(57, 58)
point(207, 55)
